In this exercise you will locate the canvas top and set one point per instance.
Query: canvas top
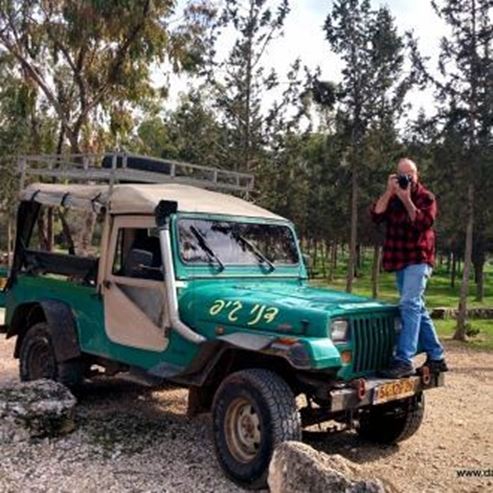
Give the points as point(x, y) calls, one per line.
point(142, 199)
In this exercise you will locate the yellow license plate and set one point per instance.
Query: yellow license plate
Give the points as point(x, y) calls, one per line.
point(397, 389)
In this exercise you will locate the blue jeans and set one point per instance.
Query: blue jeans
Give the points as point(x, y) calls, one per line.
point(417, 326)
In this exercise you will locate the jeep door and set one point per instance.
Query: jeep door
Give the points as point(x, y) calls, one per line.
point(135, 310)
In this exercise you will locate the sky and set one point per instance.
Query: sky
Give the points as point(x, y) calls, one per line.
point(304, 38)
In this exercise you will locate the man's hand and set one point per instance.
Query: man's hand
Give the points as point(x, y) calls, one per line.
point(404, 195)
point(383, 201)
point(392, 184)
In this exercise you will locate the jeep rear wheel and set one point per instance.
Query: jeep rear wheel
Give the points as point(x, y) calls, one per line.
point(37, 359)
point(253, 411)
point(392, 422)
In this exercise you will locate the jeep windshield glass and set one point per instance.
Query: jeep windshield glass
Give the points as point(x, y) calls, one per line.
point(237, 243)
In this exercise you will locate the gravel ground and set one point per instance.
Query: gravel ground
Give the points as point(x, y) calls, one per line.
point(132, 439)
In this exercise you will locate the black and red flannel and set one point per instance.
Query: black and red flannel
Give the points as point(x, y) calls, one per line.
point(408, 242)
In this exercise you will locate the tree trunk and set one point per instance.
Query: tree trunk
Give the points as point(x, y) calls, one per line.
point(479, 275)
point(42, 237)
point(460, 331)
point(67, 233)
point(333, 261)
point(449, 262)
point(375, 274)
point(354, 230)
point(453, 272)
point(359, 261)
point(49, 230)
point(9, 240)
point(315, 256)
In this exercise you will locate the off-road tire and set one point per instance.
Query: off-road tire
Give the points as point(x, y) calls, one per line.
point(37, 359)
point(392, 422)
point(275, 409)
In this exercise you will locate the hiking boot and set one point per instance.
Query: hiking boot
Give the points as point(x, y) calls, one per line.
point(435, 365)
point(398, 369)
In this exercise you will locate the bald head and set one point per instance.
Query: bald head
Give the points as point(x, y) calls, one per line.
point(408, 167)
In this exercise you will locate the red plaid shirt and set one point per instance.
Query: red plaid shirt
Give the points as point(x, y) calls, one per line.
point(408, 242)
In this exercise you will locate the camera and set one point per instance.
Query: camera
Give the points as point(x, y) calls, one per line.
point(404, 181)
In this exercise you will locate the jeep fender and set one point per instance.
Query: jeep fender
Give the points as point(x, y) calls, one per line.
point(61, 323)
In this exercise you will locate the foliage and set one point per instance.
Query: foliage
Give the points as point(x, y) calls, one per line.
point(371, 95)
point(91, 61)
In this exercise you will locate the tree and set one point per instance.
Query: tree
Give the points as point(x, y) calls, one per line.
point(90, 60)
point(374, 84)
point(465, 92)
point(24, 128)
point(241, 81)
point(191, 132)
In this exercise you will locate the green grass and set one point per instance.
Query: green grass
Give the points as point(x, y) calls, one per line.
point(439, 293)
point(484, 340)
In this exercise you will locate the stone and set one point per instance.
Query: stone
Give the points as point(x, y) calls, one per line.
point(38, 409)
point(296, 468)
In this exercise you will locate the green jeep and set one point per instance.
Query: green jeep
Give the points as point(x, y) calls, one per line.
point(208, 291)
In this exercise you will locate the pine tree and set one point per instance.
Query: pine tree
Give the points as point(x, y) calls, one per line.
point(466, 93)
point(373, 86)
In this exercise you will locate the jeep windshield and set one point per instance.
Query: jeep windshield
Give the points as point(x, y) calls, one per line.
point(234, 243)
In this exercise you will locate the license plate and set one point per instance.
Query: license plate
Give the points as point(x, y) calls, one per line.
point(397, 389)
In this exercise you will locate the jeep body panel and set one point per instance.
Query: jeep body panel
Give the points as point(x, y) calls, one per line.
point(248, 307)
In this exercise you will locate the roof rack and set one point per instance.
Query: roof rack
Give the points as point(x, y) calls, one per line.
point(122, 167)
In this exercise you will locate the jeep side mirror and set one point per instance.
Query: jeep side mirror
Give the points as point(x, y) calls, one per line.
point(136, 263)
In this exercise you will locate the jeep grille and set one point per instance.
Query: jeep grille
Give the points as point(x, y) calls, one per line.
point(373, 342)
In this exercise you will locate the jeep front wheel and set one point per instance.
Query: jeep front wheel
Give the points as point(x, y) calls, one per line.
point(392, 422)
point(253, 411)
point(37, 359)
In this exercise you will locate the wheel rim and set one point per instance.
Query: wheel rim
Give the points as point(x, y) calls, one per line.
point(243, 431)
point(41, 361)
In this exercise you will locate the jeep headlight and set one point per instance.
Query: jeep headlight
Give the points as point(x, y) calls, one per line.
point(339, 330)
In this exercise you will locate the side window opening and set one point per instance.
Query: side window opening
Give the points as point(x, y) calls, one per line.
point(65, 244)
point(138, 254)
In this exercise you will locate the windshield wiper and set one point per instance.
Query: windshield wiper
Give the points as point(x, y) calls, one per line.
point(257, 252)
point(205, 246)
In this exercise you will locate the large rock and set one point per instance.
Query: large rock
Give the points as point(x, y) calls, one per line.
point(297, 468)
point(42, 408)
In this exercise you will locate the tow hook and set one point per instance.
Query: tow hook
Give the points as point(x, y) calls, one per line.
point(360, 385)
point(425, 375)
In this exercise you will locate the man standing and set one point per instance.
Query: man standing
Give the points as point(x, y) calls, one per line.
point(409, 211)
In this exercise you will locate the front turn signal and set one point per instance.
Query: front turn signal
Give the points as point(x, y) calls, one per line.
point(346, 357)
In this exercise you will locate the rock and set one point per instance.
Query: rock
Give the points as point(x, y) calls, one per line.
point(296, 467)
point(444, 313)
point(440, 313)
point(37, 409)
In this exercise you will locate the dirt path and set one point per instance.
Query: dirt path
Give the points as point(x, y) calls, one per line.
point(135, 439)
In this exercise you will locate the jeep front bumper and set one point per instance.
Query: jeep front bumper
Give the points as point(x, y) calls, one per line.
point(374, 391)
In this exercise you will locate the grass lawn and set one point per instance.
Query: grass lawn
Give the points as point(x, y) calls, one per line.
point(484, 340)
point(438, 294)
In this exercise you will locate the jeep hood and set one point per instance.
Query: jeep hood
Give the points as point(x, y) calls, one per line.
point(286, 307)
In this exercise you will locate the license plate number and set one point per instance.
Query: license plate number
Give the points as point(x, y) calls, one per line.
point(398, 389)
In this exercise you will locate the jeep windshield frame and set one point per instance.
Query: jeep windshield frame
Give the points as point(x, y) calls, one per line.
point(250, 265)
